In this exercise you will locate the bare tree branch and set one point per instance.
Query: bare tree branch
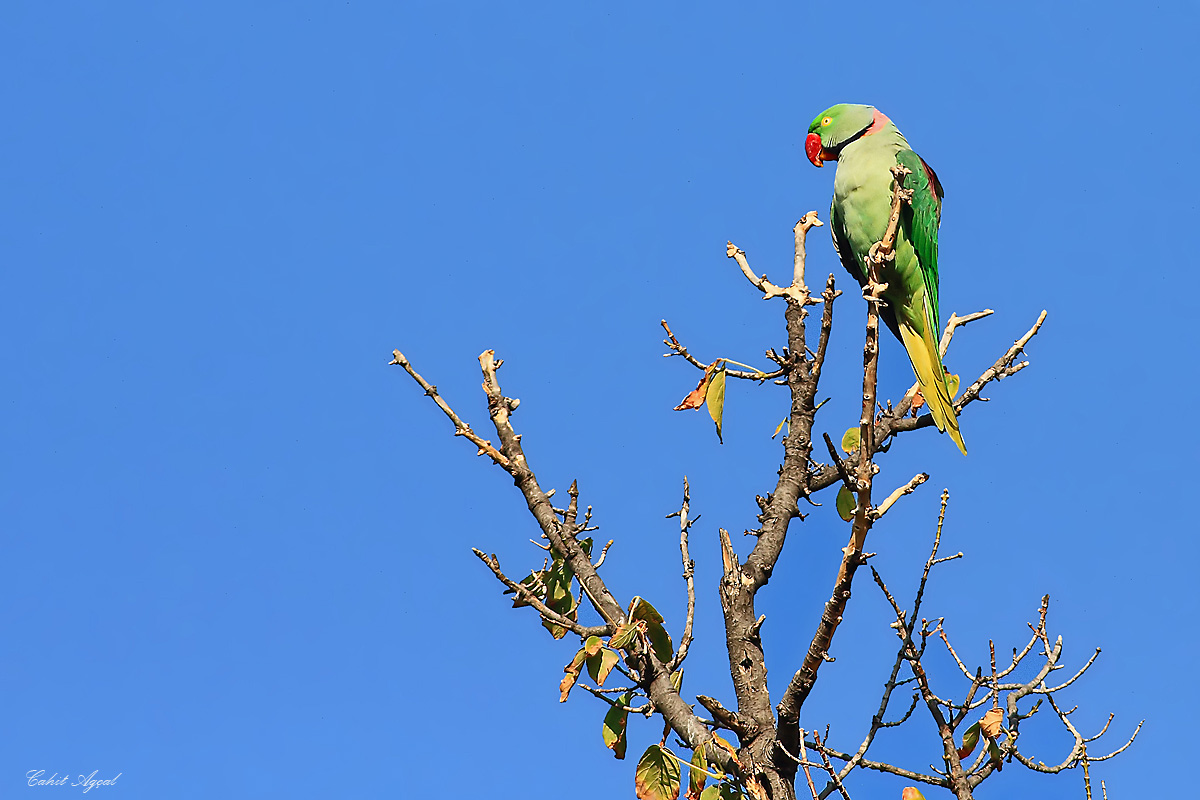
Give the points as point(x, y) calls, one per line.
point(689, 569)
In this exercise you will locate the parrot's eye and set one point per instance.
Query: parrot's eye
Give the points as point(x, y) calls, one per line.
point(827, 120)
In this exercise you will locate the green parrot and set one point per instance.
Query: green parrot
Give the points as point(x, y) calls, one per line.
point(866, 145)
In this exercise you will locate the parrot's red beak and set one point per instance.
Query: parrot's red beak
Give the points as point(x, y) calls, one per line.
point(816, 153)
point(813, 149)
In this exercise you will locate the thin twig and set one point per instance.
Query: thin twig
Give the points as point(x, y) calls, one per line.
point(460, 428)
point(533, 600)
point(689, 568)
point(804, 763)
point(907, 488)
point(797, 290)
point(678, 349)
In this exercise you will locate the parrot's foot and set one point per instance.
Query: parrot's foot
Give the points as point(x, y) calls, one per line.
point(878, 255)
point(874, 291)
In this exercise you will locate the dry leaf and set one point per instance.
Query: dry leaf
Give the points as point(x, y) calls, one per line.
point(990, 724)
point(918, 402)
point(695, 398)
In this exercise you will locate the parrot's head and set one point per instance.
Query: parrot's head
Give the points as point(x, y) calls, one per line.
point(838, 126)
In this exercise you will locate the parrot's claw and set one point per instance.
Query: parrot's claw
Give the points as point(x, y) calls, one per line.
point(874, 291)
point(879, 255)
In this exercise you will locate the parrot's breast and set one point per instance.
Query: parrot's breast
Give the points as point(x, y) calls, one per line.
point(862, 193)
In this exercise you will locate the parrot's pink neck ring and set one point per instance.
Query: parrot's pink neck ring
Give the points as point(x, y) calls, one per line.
point(877, 123)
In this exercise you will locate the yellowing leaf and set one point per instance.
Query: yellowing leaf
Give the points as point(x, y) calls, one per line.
point(726, 746)
point(846, 503)
point(601, 664)
point(572, 670)
point(657, 775)
point(952, 383)
point(911, 793)
point(614, 725)
point(851, 439)
point(640, 609)
point(697, 775)
point(715, 397)
point(566, 685)
point(970, 739)
point(592, 646)
point(779, 427)
point(624, 636)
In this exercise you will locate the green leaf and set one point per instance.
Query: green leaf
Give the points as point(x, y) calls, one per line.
point(677, 680)
point(573, 669)
point(624, 636)
point(558, 597)
point(558, 583)
point(851, 440)
point(995, 754)
point(970, 739)
point(592, 646)
point(640, 609)
point(697, 776)
point(715, 398)
point(566, 606)
point(846, 503)
point(711, 793)
point(614, 725)
point(657, 775)
point(952, 384)
point(660, 641)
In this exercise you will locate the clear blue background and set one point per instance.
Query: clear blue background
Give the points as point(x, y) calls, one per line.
point(236, 543)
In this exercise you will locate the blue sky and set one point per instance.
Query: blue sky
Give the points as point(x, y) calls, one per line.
point(236, 543)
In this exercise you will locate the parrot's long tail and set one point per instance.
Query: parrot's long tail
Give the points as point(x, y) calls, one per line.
point(923, 353)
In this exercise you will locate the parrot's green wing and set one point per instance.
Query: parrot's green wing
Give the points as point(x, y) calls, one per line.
point(923, 216)
point(841, 245)
point(853, 264)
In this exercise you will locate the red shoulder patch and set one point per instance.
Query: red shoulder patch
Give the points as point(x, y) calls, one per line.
point(933, 180)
